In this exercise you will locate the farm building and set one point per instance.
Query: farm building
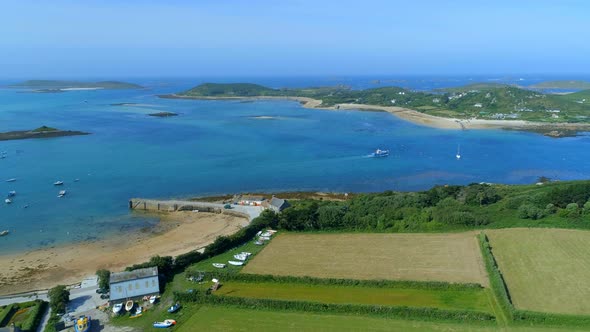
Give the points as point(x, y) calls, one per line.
point(133, 284)
point(276, 204)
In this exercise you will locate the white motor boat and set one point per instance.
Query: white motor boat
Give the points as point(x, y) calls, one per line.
point(61, 193)
point(219, 265)
point(58, 183)
point(235, 263)
point(7, 201)
point(380, 153)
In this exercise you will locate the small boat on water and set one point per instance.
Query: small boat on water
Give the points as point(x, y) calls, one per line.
point(58, 183)
point(174, 308)
point(11, 180)
point(7, 201)
point(11, 193)
point(153, 299)
point(129, 305)
point(61, 193)
point(236, 263)
point(165, 324)
point(458, 155)
point(4, 232)
point(380, 153)
point(219, 265)
point(82, 324)
point(117, 308)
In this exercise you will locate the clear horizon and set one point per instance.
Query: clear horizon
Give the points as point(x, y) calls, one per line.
point(294, 38)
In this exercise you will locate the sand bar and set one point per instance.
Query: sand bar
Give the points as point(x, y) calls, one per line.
point(417, 117)
point(177, 233)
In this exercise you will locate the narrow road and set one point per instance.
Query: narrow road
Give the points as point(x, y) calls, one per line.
point(44, 320)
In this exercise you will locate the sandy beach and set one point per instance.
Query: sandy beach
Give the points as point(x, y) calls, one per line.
point(177, 233)
point(550, 129)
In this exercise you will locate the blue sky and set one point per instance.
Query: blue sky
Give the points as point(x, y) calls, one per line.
point(292, 37)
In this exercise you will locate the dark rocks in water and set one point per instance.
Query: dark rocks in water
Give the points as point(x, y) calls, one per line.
point(163, 114)
point(41, 132)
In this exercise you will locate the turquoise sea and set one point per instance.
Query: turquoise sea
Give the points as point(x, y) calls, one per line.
point(217, 147)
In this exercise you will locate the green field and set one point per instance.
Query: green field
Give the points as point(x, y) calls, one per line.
point(472, 299)
point(212, 318)
point(545, 270)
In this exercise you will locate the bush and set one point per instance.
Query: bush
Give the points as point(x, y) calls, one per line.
point(35, 315)
point(6, 313)
point(529, 211)
point(103, 278)
point(59, 296)
point(497, 283)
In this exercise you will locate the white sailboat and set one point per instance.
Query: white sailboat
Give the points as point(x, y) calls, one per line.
point(458, 155)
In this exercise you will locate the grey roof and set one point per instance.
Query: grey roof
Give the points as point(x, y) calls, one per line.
point(133, 275)
point(278, 202)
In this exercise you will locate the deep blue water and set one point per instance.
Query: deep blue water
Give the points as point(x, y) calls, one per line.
point(217, 147)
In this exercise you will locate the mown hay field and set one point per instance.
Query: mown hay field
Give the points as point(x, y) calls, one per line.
point(545, 270)
point(451, 257)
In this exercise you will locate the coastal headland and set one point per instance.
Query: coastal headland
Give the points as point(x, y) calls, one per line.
point(475, 106)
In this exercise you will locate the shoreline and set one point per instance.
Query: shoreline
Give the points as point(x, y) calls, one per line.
point(175, 234)
point(419, 118)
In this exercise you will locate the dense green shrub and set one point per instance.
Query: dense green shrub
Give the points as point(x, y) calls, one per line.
point(529, 211)
point(577, 192)
point(59, 296)
point(35, 315)
point(103, 278)
point(6, 313)
point(497, 283)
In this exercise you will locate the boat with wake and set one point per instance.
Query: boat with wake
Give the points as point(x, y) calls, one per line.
point(379, 153)
point(4, 232)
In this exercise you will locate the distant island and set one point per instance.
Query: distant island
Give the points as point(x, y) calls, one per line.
point(574, 85)
point(41, 132)
point(474, 106)
point(57, 86)
point(163, 114)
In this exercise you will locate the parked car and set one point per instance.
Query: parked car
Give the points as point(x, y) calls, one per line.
point(102, 291)
point(104, 296)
